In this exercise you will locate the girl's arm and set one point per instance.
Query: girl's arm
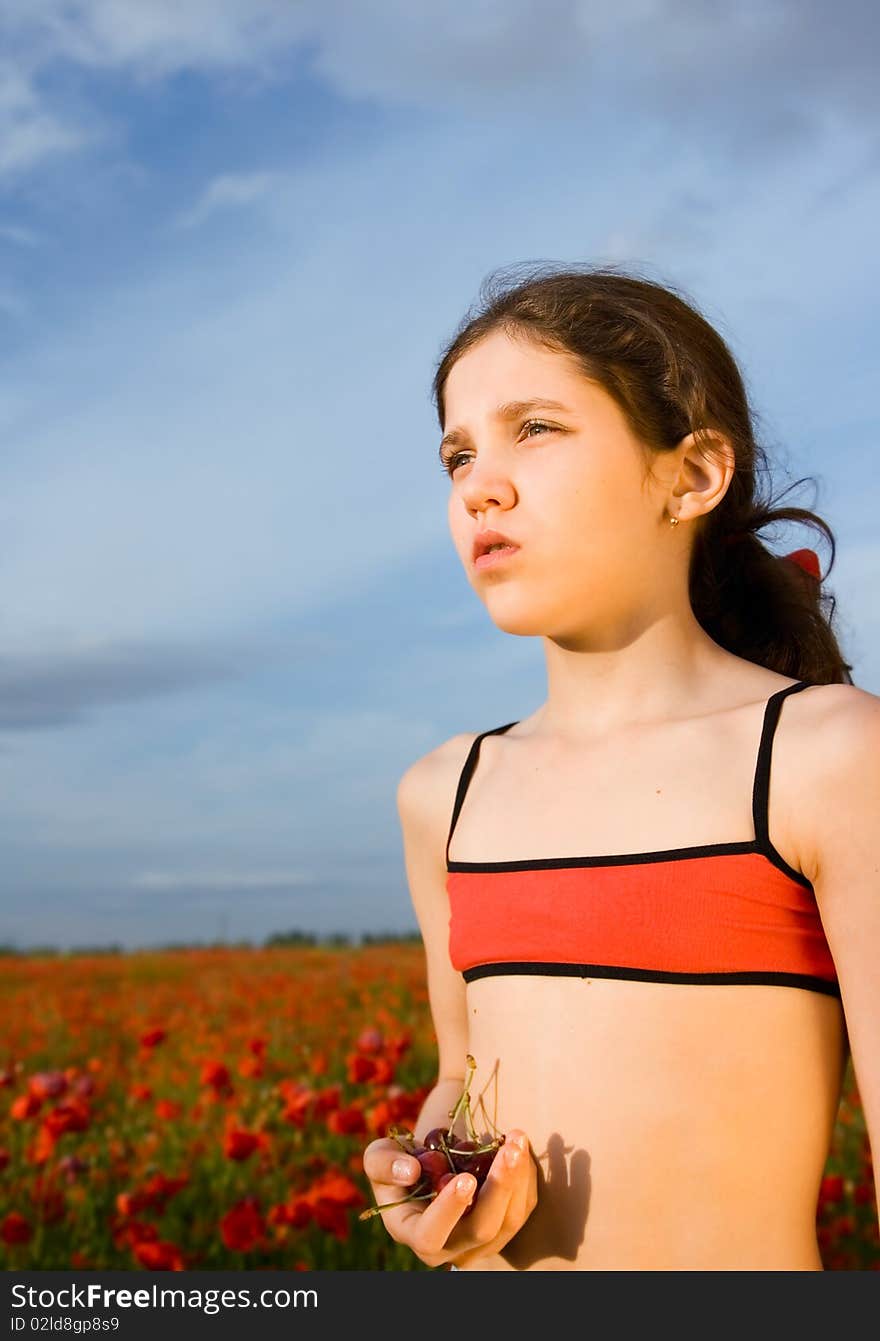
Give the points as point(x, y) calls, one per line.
point(425, 798)
point(842, 847)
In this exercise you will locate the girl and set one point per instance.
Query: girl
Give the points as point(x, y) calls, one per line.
point(658, 948)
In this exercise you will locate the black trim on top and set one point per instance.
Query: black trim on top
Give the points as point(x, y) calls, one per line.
point(760, 844)
point(470, 764)
point(761, 786)
point(612, 859)
point(556, 970)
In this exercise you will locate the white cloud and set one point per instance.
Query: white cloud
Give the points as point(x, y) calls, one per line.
point(231, 191)
point(155, 38)
point(29, 133)
point(685, 63)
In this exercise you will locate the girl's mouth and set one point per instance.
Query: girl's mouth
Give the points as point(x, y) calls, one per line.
point(493, 557)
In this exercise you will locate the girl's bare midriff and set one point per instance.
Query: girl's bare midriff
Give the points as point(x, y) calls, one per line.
point(675, 1126)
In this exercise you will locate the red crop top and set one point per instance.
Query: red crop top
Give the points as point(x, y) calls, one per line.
point(715, 913)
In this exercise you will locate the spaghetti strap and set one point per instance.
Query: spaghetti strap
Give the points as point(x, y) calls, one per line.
point(761, 786)
point(466, 774)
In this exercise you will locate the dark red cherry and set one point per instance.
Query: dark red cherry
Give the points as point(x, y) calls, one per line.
point(434, 1163)
point(435, 1139)
point(478, 1165)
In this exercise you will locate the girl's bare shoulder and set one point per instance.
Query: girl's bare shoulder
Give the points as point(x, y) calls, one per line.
point(426, 791)
point(834, 751)
point(837, 713)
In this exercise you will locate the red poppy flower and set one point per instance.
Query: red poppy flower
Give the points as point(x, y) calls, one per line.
point(239, 1144)
point(327, 1099)
point(243, 1227)
point(159, 1255)
point(332, 1218)
point(360, 1068)
point(379, 1118)
point(130, 1232)
point(48, 1203)
point(153, 1195)
point(67, 1117)
point(398, 1044)
point(25, 1106)
point(151, 1038)
point(831, 1189)
point(15, 1229)
point(47, 1084)
point(347, 1121)
point(383, 1073)
point(297, 1213)
point(297, 1111)
point(216, 1074)
point(338, 1187)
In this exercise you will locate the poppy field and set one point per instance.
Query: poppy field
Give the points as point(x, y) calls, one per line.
point(207, 1108)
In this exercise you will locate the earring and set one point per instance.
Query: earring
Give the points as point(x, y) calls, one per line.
point(673, 521)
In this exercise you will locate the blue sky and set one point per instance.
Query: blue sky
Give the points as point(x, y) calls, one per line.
point(234, 236)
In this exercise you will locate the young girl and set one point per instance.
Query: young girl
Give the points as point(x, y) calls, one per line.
point(650, 908)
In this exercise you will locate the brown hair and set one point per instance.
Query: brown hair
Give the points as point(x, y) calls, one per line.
point(671, 373)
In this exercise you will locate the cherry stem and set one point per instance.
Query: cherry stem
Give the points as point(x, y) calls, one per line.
point(374, 1210)
point(464, 1104)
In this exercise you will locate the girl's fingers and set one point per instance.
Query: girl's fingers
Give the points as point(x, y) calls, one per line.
point(521, 1204)
point(493, 1203)
point(426, 1225)
point(389, 1167)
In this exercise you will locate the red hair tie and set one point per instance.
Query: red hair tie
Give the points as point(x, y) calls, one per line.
point(808, 560)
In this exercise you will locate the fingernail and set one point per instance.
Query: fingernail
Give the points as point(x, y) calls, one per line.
point(402, 1169)
point(520, 1140)
point(465, 1184)
point(512, 1156)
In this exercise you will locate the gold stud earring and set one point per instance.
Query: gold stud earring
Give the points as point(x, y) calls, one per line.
point(673, 521)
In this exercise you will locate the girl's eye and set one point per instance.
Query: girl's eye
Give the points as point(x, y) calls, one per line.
point(536, 423)
point(449, 464)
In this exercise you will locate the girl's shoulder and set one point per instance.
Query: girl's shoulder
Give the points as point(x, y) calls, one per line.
point(426, 790)
point(838, 713)
point(834, 736)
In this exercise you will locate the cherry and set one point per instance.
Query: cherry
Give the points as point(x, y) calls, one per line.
point(479, 1165)
point(442, 1155)
point(434, 1163)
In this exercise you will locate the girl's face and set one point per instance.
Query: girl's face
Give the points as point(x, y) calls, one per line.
point(566, 482)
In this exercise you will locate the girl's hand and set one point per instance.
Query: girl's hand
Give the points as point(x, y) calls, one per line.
point(438, 1231)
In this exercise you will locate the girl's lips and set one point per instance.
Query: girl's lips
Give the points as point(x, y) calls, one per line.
point(496, 556)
